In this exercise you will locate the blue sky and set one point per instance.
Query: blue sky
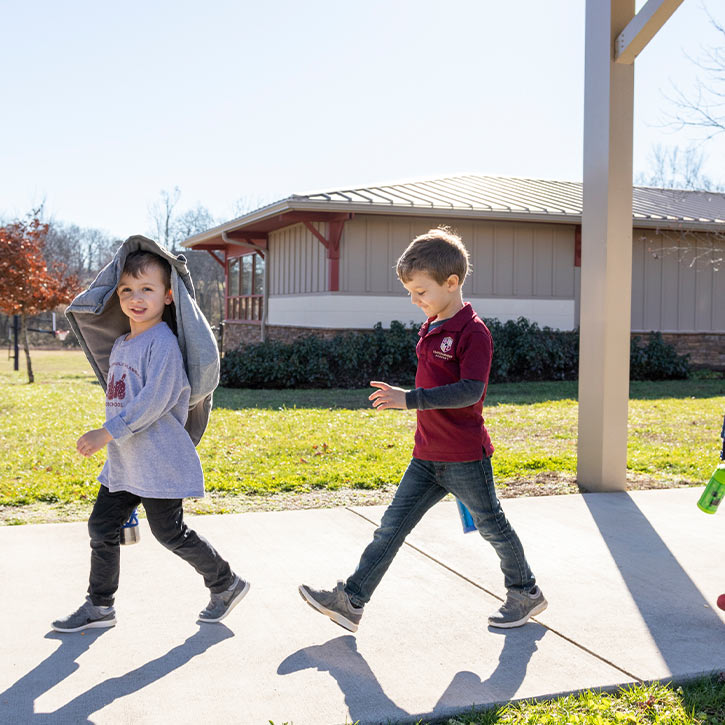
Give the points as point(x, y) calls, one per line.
point(105, 105)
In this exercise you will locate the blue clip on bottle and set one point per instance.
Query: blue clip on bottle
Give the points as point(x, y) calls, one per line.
point(466, 518)
point(130, 533)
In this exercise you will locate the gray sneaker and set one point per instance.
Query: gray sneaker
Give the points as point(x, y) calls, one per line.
point(335, 604)
point(517, 608)
point(88, 615)
point(221, 603)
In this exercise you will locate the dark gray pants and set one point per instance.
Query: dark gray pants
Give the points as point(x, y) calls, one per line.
point(166, 519)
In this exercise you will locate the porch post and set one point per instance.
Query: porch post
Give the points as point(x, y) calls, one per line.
point(606, 254)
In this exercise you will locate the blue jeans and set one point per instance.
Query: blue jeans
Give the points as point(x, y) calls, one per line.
point(424, 483)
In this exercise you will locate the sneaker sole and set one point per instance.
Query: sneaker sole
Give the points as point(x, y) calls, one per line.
point(91, 625)
point(336, 617)
point(538, 609)
point(233, 603)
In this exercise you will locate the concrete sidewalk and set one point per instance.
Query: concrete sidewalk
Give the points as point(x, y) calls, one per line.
point(631, 581)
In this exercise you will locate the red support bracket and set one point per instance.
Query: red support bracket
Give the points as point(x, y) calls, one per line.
point(216, 259)
point(578, 246)
point(332, 243)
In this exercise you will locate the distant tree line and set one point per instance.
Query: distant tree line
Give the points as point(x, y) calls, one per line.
point(84, 251)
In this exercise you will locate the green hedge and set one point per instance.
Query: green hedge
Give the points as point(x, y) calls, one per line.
point(522, 351)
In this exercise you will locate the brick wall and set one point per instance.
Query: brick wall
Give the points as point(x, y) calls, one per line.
point(706, 349)
point(238, 333)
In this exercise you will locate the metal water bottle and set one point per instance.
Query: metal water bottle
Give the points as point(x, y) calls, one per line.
point(130, 533)
point(466, 518)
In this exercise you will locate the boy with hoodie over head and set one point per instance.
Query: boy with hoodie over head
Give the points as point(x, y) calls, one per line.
point(150, 457)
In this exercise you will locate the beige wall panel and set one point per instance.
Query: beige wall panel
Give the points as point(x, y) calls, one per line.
point(703, 285)
point(322, 274)
point(305, 261)
point(523, 260)
point(670, 287)
point(298, 263)
point(378, 253)
point(288, 283)
point(299, 252)
point(481, 282)
point(675, 287)
point(687, 291)
point(503, 260)
point(718, 287)
point(563, 261)
point(638, 247)
point(652, 287)
point(400, 238)
point(281, 259)
point(543, 261)
point(272, 260)
point(353, 255)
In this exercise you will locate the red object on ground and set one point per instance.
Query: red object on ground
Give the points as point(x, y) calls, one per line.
point(721, 601)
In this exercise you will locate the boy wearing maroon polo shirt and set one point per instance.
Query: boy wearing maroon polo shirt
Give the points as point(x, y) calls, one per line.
point(452, 448)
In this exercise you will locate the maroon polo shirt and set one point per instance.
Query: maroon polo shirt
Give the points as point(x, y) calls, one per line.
point(460, 348)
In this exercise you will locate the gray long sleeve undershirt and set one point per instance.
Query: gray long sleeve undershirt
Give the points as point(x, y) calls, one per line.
point(456, 395)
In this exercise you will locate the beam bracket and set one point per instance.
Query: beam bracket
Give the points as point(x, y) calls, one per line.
point(642, 28)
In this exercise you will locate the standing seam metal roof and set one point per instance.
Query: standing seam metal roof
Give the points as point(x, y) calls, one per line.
point(522, 196)
point(494, 197)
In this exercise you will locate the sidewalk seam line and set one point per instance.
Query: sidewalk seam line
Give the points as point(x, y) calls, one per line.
point(496, 596)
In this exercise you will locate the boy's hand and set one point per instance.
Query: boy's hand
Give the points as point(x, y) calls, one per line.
point(93, 441)
point(387, 396)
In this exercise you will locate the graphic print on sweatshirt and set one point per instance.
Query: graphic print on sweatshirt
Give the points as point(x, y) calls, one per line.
point(116, 388)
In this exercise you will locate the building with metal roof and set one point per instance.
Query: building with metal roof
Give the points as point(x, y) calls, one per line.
point(324, 261)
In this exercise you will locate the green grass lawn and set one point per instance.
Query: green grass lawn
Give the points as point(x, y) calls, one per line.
point(701, 702)
point(267, 441)
point(302, 440)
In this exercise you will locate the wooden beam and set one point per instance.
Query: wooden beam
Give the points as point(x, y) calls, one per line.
point(642, 28)
point(216, 259)
point(240, 236)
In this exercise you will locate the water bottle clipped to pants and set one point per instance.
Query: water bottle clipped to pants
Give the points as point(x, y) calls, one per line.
point(130, 533)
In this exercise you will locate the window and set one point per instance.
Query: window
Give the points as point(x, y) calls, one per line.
point(245, 294)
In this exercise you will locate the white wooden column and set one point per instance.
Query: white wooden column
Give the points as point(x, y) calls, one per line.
point(606, 271)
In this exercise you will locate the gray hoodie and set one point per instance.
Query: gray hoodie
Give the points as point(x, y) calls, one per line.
point(96, 318)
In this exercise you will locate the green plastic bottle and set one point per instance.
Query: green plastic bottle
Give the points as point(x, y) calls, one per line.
point(714, 491)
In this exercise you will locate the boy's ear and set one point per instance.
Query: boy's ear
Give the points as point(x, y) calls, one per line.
point(453, 281)
point(169, 297)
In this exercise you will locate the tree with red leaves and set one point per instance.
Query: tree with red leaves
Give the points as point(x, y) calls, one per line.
point(28, 284)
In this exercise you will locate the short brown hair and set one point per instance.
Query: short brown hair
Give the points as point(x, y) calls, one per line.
point(138, 261)
point(439, 252)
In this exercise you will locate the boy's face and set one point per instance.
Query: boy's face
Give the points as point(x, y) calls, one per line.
point(143, 298)
point(436, 300)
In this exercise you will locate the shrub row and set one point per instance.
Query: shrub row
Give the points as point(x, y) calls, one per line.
point(522, 351)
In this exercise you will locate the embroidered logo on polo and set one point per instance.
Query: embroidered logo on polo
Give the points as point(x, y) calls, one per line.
point(445, 347)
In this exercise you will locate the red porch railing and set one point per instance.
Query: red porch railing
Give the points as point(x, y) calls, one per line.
point(245, 307)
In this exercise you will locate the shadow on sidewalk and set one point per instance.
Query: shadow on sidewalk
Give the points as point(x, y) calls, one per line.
point(367, 702)
point(683, 626)
point(468, 689)
point(364, 697)
point(17, 703)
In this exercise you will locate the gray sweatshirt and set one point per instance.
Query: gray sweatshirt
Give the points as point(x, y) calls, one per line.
point(147, 402)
